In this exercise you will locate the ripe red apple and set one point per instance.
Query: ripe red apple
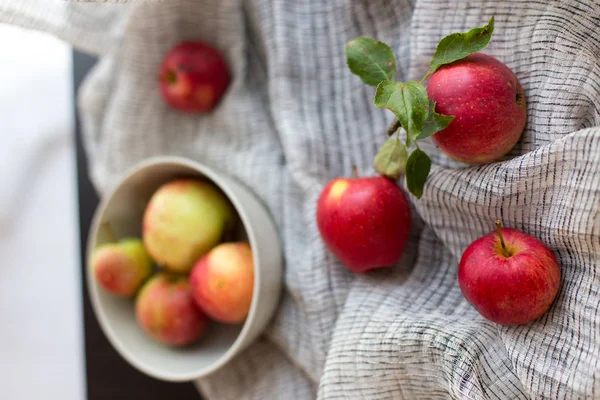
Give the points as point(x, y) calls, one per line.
point(193, 77)
point(223, 282)
point(167, 312)
point(121, 268)
point(365, 222)
point(510, 277)
point(488, 103)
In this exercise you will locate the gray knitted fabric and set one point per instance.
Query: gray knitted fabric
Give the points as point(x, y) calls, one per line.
point(295, 117)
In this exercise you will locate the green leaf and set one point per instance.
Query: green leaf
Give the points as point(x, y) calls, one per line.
point(391, 158)
point(408, 100)
point(417, 170)
point(435, 122)
point(371, 60)
point(459, 45)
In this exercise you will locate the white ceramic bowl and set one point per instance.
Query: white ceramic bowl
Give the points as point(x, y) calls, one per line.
point(123, 209)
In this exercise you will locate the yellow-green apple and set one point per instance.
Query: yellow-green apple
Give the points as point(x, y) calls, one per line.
point(120, 268)
point(510, 277)
point(193, 77)
point(223, 282)
point(365, 221)
point(167, 312)
point(488, 104)
point(184, 219)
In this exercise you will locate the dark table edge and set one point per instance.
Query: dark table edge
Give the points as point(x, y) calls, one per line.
point(108, 375)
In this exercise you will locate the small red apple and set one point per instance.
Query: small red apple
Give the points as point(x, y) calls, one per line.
point(365, 222)
point(121, 267)
point(223, 282)
point(488, 104)
point(167, 312)
point(193, 77)
point(510, 277)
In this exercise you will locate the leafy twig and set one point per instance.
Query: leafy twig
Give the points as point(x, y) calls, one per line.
point(374, 63)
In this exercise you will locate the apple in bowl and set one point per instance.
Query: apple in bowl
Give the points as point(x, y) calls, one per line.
point(184, 219)
point(223, 282)
point(121, 268)
point(167, 312)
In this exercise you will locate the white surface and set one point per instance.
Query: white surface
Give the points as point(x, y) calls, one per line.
point(41, 334)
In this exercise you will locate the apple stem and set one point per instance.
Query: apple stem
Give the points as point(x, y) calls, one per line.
point(393, 128)
point(170, 77)
point(355, 171)
point(499, 230)
point(109, 232)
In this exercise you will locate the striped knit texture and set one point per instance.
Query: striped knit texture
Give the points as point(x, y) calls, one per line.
point(294, 117)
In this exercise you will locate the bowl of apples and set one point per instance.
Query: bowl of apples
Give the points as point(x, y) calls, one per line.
point(184, 268)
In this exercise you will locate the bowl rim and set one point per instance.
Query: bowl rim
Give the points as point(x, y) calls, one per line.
point(98, 309)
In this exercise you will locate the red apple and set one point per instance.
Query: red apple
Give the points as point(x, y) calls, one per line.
point(510, 277)
point(120, 268)
point(488, 103)
point(167, 312)
point(365, 222)
point(223, 282)
point(193, 77)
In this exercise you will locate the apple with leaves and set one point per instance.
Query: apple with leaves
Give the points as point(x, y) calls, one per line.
point(510, 277)
point(415, 110)
point(488, 104)
point(364, 221)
